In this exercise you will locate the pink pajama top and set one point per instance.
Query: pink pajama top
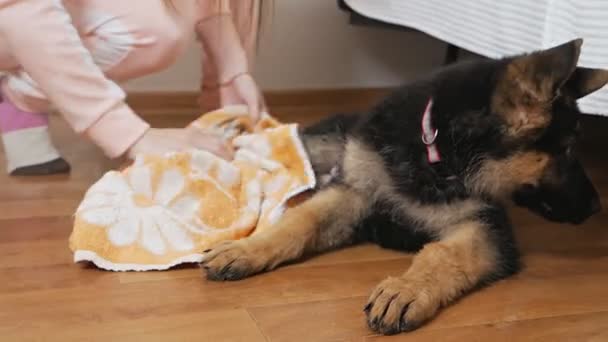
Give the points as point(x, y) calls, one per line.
point(47, 39)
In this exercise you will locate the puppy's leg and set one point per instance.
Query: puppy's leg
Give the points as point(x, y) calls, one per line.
point(470, 254)
point(323, 222)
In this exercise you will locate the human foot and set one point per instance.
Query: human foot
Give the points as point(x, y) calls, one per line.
point(27, 143)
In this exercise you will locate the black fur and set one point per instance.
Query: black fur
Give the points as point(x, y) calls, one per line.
point(506, 129)
point(460, 115)
point(390, 231)
point(470, 132)
point(501, 233)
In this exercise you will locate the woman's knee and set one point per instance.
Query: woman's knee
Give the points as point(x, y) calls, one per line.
point(151, 47)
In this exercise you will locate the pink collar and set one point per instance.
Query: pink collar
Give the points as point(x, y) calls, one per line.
point(429, 135)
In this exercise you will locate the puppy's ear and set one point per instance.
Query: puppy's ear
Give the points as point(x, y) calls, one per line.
point(585, 81)
point(543, 73)
point(529, 83)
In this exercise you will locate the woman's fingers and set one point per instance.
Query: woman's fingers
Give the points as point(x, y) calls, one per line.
point(245, 90)
point(220, 148)
point(211, 143)
point(254, 109)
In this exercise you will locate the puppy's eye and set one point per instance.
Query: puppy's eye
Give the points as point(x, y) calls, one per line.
point(526, 99)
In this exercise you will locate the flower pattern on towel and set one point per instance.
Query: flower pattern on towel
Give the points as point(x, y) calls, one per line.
point(132, 211)
point(165, 210)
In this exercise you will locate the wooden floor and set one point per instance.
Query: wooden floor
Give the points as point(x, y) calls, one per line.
point(562, 295)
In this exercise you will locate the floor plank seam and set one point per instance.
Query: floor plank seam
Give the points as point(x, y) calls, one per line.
point(258, 325)
point(405, 257)
point(506, 321)
point(316, 301)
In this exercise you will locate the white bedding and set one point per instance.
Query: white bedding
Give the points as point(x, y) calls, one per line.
point(500, 28)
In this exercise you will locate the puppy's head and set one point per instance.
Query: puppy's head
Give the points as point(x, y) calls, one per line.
point(534, 99)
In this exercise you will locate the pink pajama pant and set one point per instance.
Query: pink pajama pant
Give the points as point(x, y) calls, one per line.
point(73, 53)
point(127, 39)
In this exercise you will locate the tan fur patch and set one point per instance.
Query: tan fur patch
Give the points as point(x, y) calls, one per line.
point(521, 102)
point(364, 170)
point(529, 85)
point(323, 222)
point(499, 178)
point(439, 274)
point(439, 219)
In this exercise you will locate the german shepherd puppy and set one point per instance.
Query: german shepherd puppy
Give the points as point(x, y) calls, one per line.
point(428, 170)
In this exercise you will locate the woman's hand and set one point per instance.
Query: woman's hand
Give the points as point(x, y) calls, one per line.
point(226, 77)
point(243, 90)
point(160, 141)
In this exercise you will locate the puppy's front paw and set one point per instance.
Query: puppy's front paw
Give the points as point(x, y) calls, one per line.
point(399, 304)
point(232, 260)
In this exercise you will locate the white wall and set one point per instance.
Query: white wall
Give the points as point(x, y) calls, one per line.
point(310, 45)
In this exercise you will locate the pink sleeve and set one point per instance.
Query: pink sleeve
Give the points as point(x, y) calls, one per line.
point(46, 44)
point(210, 8)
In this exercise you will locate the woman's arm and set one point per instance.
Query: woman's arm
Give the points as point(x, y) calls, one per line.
point(223, 50)
point(221, 40)
point(46, 44)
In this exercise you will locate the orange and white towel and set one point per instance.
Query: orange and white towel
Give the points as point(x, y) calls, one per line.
point(163, 211)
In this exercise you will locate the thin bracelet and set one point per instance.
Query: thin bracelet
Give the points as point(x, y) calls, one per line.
point(226, 83)
point(233, 78)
